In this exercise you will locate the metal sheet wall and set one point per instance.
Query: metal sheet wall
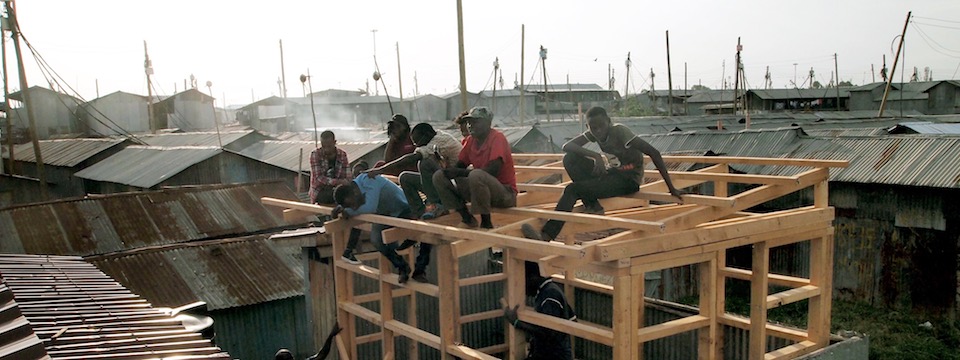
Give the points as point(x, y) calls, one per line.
point(258, 331)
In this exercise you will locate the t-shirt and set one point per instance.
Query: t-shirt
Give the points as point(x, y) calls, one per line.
point(494, 147)
point(448, 146)
point(616, 144)
point(396, 149)
point(381, 196)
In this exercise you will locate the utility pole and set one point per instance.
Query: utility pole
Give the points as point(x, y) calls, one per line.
point(399, 78)
point(24, 91)
point(626, 85)
point(283, 73)
point(873, 74)
point(736, 79)
point(496, 66)
point(546, 92)
point(213, 106)
point(313, 110)
point(669, 79)
point(685, 88)
point(886, 90)
point(416, 85)
point(837, 83)
point(148, 70)
point(463, 66)
point(523, 94)
point(6, 94)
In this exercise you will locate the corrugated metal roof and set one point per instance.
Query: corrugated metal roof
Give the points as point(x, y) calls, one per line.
point(897, 95)
point(708, 96)
point(846, 132)
point(146, 166)
point(64, 152)
point(286, 154)
point(223, 273)
point(783, 94)
point(81, 313)
point(344, 100)
point(926, 128)
point(203, 138)
point(17, 339)
point(120, 222)
point(565, 87)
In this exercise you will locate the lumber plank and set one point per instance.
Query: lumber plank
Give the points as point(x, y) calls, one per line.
point(758, 303)
point(361, 312)
point(775, 279)
point(792, 296)
point(791, 351)
point(774, 330)
point(672, 327)
point(715, 160)
point(464, 352)
point(413, 333)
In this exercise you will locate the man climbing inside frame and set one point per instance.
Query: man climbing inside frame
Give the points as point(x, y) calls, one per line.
point(545, 343)
point(377, 195)
point(592, 179)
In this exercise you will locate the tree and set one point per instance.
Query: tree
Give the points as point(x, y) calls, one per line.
point(699, 87)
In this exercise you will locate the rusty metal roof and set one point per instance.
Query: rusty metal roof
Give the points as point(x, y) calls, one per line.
point(223, 273)
point(146, 166)
point(81, 313)
point(286, 154)
point(118, 222)
point(64, 152)
point(203, 138)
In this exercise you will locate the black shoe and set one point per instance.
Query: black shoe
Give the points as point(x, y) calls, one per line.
point(404, 275)
point(406, 244)
point(420, 276)
point(530, 233)
point(349, 258)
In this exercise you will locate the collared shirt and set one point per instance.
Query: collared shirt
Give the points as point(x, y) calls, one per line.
point(494, 147)
point(448, 146)
point(318, 171)
point(381, 197)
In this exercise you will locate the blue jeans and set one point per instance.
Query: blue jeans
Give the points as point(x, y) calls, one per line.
point(390, 250)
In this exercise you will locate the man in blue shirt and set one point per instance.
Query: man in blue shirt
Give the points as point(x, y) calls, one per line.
point(377, 195)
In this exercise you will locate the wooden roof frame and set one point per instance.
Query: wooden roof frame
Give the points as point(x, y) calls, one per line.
point(699, 231)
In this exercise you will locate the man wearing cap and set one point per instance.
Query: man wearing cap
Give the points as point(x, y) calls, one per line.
point(399, 144)
point(491, 182)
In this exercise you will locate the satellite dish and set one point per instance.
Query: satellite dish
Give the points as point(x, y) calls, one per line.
point(194, 323)
point(209, 83)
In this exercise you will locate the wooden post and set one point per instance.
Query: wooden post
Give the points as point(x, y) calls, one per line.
point(837, 71)
point(516, 295)
point(523, 39)
point(886, 90)
point(821, 276)
point(758, 301)
point(386, 308)
point(6, 96)
point(721, 305)
point(413, 350)
point(399, 77)
point(339, 231)
point(463, 66)
point(625, 317)
point(669, 78)
point(447, 281)
point(708, 308)
point(25, 93)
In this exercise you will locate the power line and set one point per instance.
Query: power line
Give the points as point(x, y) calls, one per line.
point(936, 19)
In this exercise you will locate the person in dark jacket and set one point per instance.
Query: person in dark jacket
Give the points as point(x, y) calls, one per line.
point(545, 344)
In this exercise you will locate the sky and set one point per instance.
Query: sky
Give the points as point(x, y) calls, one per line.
point(97, 47)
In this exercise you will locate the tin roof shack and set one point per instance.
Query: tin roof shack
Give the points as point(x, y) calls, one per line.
point(798, 99)
point(339, 111)
point(138, 168)
point(895, 228)
point(253, 288)
point(453, 102)
point(188, 110)
point(118, 113)
point(62, 159)
point(710, 102)
point(235, 140)
point(928, 97)
point(659, 100)
point(53, 112)
point(427, 108)
point(506, 104)
point(529, 139)
point(15, 189)
point(74, 311)
point(563, 98)
point(273, 115)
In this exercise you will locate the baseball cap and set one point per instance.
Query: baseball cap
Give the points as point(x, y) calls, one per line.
point(479, 112)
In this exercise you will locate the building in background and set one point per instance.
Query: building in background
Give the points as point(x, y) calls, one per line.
point(55, 114)
point(119, 113)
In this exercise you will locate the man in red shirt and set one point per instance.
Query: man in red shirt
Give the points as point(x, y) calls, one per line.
point(399, 144)
point(491, 182)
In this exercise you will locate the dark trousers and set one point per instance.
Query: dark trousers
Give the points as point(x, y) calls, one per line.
point(390, 250)
point(589, 188)
point(413, 183)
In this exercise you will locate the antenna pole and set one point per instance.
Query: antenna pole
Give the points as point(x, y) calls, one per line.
point(886, 90)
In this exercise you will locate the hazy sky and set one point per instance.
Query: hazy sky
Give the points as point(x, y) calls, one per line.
point(234, 44)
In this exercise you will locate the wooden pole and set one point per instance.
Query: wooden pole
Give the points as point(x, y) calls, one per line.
point(546, 92)
point(886, 90)
point(283, 72)
point(626, 84)
point(736, 79)
point(399, 77)
point(522, 92)
point(463, 66)
point(148, 70)
point(669, 78)
point(6, 96)
point(837, 83)
point(24, 91)
point(496, 66)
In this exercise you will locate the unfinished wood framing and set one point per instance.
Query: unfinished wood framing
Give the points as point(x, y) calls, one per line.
point(642, 237)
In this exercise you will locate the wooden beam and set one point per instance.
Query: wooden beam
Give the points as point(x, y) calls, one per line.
point(464, 352)
point(580, 328)
point(707, 338)
point(792, 296)
point(624, 318)
point(714, 160)
point(758, 301)
point(483, 315)
point(291, 216)
point(449, 298)
point(362, 312)
point(584, 218)
point(386, 313)
point(821, 275)
point(792, 351)
point(643, 195)
point(482, 279)
point(775, 279)
point(413, 333)
point(365, 298)
point(777, 331)
point(672, 327)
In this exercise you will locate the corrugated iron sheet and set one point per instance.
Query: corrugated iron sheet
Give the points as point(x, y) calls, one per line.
point(17, 339)
point(206, 138)
point(146, 166)
point(927, 128)
point(286, 154)
point(784, 94)
point(81, 313)
point(63, 152)
point(223, 273)
point(125, 221)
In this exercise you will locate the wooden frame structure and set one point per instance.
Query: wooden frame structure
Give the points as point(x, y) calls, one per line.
point(656, 236)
